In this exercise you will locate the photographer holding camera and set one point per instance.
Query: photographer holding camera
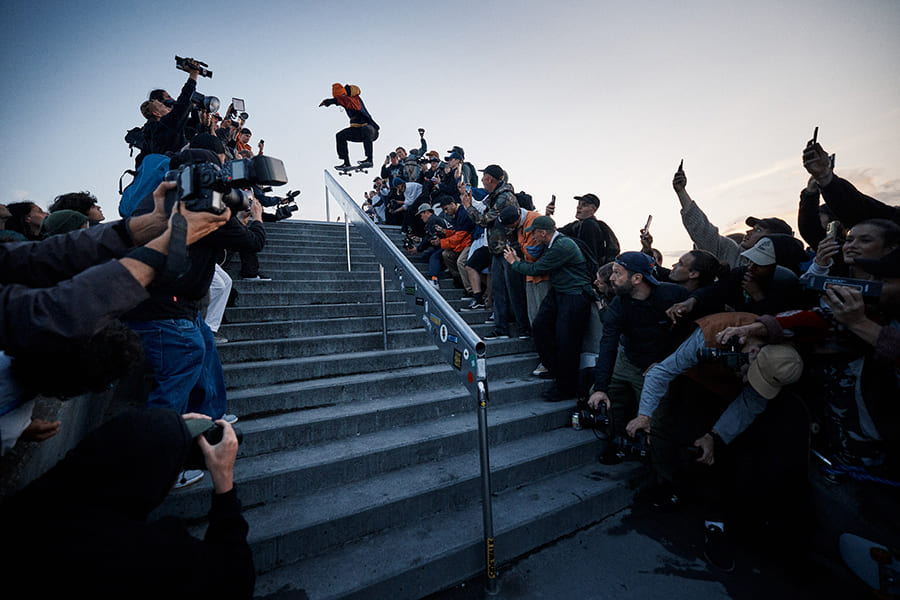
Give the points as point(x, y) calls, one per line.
point(55, 293)
point(177, 340)
point(86, 519)
point(164, 130)
point(704, 396)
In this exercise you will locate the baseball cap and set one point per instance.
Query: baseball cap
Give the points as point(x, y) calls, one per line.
point(638, 262)
point(397, 181)
point(509, 216)
point(423, 207)
point(763, 253)
point(456, 155)
point(495, 171)
point(772, 224)
point(590, 198)
point(458, 150)
point(776, 366)
point(543, 222)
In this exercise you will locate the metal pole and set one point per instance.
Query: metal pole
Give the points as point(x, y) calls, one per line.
point(347, 237)
point(383, 309)
point(487, 511)
point(327, 209)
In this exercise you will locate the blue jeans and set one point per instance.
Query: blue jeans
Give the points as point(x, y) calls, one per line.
point(508, 291)
point(186, 365)
point(435, 262)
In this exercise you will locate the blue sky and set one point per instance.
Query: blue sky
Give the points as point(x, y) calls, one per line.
point(569, 97)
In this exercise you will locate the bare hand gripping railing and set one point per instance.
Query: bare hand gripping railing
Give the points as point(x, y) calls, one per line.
point(458, 344)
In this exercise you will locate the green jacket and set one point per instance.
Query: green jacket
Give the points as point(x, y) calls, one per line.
point(564, 262)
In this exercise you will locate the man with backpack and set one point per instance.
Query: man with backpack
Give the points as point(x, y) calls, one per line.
point(563, 315)
point(363, 127)
point(595, 233)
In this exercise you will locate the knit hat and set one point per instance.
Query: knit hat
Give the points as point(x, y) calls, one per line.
point(338, 89)
point(62, 221)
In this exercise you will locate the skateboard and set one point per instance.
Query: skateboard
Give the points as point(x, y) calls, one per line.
point(873, 563)
point(349, 171)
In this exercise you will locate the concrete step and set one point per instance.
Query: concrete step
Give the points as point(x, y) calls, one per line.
point(314, 327)
point(317, 345)
point(313, 311)
point(268, 398)
point(295, 472)
point(419, 558)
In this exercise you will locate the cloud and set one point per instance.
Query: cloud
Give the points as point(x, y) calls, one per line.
point(780, 166)
point(20, 195)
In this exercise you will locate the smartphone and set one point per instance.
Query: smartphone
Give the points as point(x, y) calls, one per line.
point(681, 165)
point(831, 228)
point(468, 189)
point(238, 104)
point(553, 200)
point(832, 161)
point(647, 226)
point(815, 135)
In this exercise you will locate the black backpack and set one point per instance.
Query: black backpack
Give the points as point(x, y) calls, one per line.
point(525, 201)
point(590, 261)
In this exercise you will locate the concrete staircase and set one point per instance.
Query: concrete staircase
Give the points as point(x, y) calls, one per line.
point(359, 467)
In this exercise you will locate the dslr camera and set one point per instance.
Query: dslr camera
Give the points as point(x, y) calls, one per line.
point(210, 188)
point(213, 435)
point(585, 418)
point(409, 242)
point(730, 356)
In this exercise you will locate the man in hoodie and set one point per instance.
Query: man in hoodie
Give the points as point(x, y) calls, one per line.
point(363, 127)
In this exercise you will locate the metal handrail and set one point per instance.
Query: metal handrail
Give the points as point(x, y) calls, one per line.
point(461, 347)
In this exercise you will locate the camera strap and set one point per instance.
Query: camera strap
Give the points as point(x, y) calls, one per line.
point(178, 262)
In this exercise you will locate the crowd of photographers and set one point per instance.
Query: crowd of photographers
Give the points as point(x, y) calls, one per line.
point(95, 302)
point(717, 369)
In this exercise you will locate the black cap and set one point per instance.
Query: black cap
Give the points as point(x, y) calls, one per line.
point(771, 224)
point(509, 216)
point(590, 198)
point(494, 171)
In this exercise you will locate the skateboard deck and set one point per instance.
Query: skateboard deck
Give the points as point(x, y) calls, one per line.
point(349, 171)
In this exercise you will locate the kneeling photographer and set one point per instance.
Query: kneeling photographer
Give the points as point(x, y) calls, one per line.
point(702, 442)
point(178, 343)
point(86, 519)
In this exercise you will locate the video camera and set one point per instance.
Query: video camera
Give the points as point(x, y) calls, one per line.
point(730, 356)
point(213, 435)
point(210, 188)
point(820, 283)
point(287, 206)
point(189, 64)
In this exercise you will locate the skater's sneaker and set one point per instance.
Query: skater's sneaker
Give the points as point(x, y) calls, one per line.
point(343, 166)
point(365, 164)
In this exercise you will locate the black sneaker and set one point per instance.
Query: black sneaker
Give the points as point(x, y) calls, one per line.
point(717, 549)
point(343, 166)
point(496, 335)
point(365, 164)
point(474, 305)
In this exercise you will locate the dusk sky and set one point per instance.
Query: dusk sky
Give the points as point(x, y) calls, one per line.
point(568, 97)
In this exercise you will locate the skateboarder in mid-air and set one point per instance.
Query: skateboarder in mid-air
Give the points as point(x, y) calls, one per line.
point(363, 127)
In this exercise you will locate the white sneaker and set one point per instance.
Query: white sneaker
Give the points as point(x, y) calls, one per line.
point(189, 477)
point(539, 369)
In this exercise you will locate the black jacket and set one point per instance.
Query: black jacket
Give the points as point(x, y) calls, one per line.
point(647, 335)
point(86, 520)
point(597, 235)
point(167, 134)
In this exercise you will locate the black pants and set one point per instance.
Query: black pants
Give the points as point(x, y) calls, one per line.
point(558, 329)
point(249, 264)
point(366, 135)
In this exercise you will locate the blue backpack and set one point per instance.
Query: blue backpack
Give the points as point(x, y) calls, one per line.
point(149, 175)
